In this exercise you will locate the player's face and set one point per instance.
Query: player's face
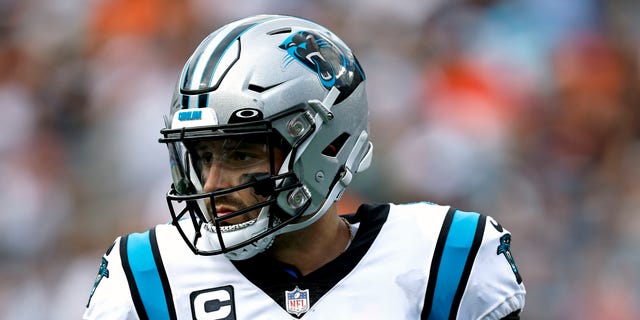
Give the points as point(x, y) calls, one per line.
point(226, 163)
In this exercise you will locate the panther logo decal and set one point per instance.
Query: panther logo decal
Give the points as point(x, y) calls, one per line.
point(103, 272)
point(333, 63)
point(505, 249)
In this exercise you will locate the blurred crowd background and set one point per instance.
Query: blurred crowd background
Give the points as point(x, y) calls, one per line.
point(523, 110)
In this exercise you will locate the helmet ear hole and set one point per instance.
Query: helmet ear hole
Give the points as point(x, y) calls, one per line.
point(334, 147)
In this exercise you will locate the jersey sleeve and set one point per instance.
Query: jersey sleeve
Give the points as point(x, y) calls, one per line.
point(110, 297)
point(494, 288)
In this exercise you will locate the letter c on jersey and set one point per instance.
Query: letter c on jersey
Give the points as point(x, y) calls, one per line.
point(213, 304)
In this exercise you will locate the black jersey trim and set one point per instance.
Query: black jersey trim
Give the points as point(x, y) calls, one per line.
point(475, 246)
point(274, 278)
point(455, 262)
point(108, 252)
point(148, 287)
point(133, 288)
point(435, 263)
point(162, 273)
point(371, 219)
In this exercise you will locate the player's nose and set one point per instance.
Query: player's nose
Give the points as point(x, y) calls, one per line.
point(216, 178)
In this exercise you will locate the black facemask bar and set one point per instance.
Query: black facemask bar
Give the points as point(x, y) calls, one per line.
point(267, 185)
point(193, 212)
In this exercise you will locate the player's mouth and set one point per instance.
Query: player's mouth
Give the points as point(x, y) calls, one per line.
point(222, 211)
point(235, 223)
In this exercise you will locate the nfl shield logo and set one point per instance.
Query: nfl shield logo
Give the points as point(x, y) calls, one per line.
point(297, 301)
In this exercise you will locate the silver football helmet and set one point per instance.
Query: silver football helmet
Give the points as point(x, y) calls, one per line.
point(268, 125)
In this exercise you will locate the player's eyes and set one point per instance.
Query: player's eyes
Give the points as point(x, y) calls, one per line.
point(231, 153)
point(243, 158)
point(232, 159)
point(206, 158)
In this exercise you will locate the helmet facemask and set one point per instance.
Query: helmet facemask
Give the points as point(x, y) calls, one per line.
point(226, 182)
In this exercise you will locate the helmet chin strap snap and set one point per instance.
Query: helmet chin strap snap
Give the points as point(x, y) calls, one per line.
point(324, 108)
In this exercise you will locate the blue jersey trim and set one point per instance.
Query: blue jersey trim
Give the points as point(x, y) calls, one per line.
point(146, 276)
point(454, 258)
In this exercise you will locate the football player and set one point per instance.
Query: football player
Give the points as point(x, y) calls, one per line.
point(267, 127)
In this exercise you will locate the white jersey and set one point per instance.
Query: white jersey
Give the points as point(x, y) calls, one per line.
point(414, 261)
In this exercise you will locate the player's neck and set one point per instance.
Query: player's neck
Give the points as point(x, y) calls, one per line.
point(312, 247)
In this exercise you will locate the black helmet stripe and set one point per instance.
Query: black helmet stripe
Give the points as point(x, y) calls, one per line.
point(208, 54)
